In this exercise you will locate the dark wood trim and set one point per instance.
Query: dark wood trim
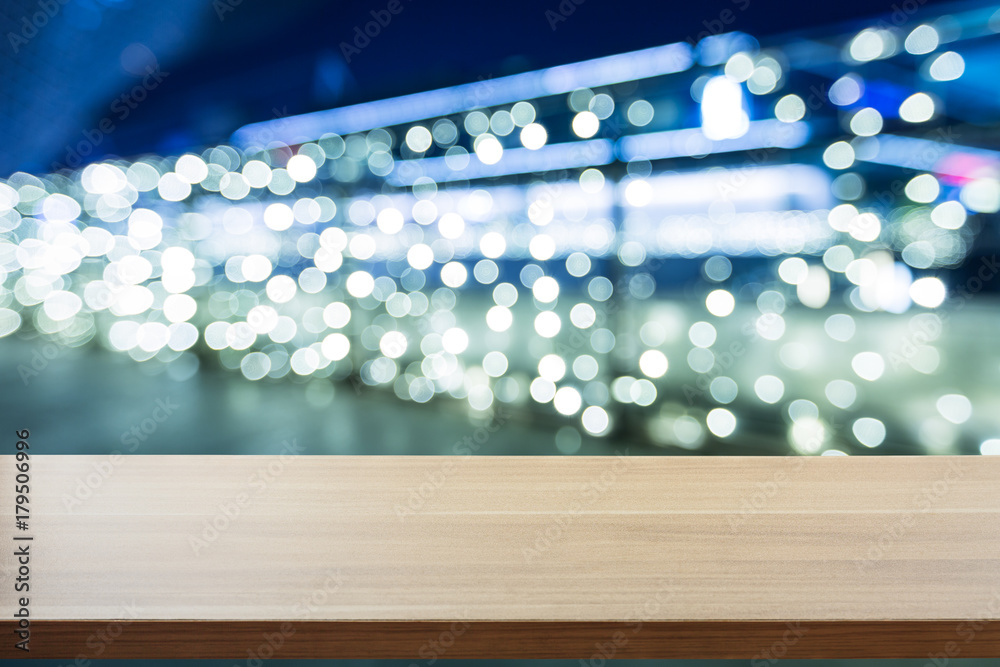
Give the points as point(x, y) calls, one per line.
point(425, 640)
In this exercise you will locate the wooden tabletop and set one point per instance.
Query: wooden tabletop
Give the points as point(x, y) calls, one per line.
point(505, 557)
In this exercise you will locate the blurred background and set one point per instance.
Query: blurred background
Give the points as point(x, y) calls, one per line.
point(563, 227)
point(537, 228)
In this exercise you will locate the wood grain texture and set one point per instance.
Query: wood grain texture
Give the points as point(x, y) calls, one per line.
point(516, 557)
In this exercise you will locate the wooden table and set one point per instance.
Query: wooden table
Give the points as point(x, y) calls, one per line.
point(505, 557)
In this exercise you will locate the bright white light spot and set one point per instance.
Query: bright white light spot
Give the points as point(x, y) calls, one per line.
point(769, 388)
point(144, 229)
point(592, 181)
point(949, 215)
point(301, 168)
point(955, 408)
point(534, 136)
point(583, 315)
point(279, 217)
point(982, 195)
point(488, 149)
point(846, 90)
point(451, 225)
point(499, 318)
point(739, 67)
point(947, 67)
point(336, 346)
point(567, 401)
point(923, 189)
point(865, 227)
point(789, 109)
point(869, 432)
point(866, 123)
point(455, 340)
point(541, 390)
point(60, 208)
point(542, 247)
point(840, 327)
point(640, 113)
point(867, 45)
point(723, 389)
point(928, 292)
point(179, 307)
point(721, 422)
point(360, 284)
point(868, 365)
point(923, 39)
point(61, 305)
point(173, 188)
point(585, 367)
point(638, 192)
point(723, 115)
point(390, 221)
point(393, 344)
point(841, 393)
point(191, 168)
point(586, 124)
point(989, 447)
point(720, 303)
point(839, 155)
point(814, 291)
point(256, 268)
point(454, 274)
point(917, 108)
point(492, 245)
point(262, 319)
point(545, 289)
point(336, 315)
point(642, 392)
point(418, 138)
point(304, 361)
point(362, 246)
point(702, 334)
point(793, 270)
point(255, 365)
point(552, 367)
point(595, 420)
point(495, 364)
point(420, 256)
point(522, 113)
point(547, 324)
point(653, 363)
